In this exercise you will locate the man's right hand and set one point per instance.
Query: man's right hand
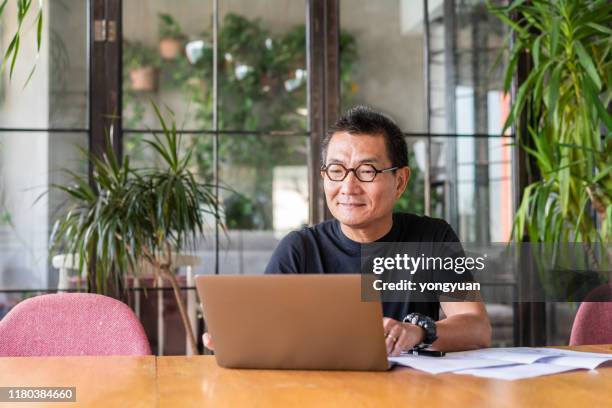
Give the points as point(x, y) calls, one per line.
point(208, 343)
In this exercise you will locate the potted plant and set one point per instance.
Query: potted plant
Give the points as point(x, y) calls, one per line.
point(141, 64)
point(564, 99)
point(171, 37)
point(134, 217)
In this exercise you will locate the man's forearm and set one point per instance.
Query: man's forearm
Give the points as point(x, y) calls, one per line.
point(466, 331)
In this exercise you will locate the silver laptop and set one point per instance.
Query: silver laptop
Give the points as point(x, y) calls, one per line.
point(306, 322)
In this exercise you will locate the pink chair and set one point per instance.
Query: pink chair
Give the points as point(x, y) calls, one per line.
point(72, 324)
point(593, 321)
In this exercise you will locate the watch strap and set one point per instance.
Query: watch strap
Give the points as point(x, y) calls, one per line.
point(426, 323)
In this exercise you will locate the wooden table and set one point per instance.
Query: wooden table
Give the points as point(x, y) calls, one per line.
point(198, 381)
point(100, 381)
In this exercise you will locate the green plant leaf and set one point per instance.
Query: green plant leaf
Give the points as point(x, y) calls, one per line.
point(554, 37)
point(39, 27)
point(602, 174)
point(553, 90)
point(509, 75)
point(2, 5)
point(30, 75)
point(500, 13)
point(14, 58)
point(586, 61)
point(9, 52)
point(511, 6)
point(600, 28)
point(535, 50)
point(591, 95)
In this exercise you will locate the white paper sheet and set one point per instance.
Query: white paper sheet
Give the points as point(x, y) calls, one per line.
point(510, 363)
point(522, 355)
point(437, 365)
point(566, 352)
point(527, 355)
point(518, 371)
point(577, 361)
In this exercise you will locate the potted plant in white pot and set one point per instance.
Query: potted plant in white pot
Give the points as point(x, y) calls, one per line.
point(130, 217)
point(171, 37)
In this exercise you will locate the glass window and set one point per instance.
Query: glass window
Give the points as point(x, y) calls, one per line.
point(381, 59)
point(57, 95)
point(26, 213)
point(167, 58)
point(262, 65)
point(264, 196)
point(462, 105)
point(32, 154)
point(262, 112)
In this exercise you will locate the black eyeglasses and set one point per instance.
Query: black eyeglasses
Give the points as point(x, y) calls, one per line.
point(364, 172)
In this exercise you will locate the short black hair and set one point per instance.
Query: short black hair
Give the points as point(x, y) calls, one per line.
point(362, 120)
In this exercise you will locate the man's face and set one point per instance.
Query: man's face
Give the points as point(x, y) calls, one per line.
point(358, 204)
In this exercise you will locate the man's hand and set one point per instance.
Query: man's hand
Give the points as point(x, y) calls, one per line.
point(401, 336)
point(208, 343)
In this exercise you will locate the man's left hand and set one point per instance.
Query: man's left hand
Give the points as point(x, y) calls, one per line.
point(401, 336)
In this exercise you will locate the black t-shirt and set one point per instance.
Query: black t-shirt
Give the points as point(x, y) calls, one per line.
point(324, 248)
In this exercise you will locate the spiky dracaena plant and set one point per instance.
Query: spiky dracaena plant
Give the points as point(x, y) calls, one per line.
point(130, 216)
point(565, 98)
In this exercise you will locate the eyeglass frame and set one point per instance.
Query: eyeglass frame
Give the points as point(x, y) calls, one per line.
point(325, 167)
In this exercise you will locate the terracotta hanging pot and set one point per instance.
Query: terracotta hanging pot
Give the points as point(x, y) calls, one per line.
point(143, 79)
point(170, 48)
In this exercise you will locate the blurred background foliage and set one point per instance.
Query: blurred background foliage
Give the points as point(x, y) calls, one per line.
point(262, 98)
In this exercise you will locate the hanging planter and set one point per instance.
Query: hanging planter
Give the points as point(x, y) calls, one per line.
point(141, 64)
point(170, 48)
point(143, 79)
point(171, 37)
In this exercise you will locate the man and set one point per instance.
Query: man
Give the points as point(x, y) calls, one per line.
point(365, 171)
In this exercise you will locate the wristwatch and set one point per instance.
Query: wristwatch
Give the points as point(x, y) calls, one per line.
point(426, 323)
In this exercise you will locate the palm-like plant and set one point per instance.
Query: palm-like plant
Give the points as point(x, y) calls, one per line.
point(135, 216)
point(565, 98)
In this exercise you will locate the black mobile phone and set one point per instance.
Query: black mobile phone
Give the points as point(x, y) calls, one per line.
point(424, 352)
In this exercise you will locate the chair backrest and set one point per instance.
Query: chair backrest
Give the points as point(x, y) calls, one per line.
point(593, 321)
point(72, 324)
